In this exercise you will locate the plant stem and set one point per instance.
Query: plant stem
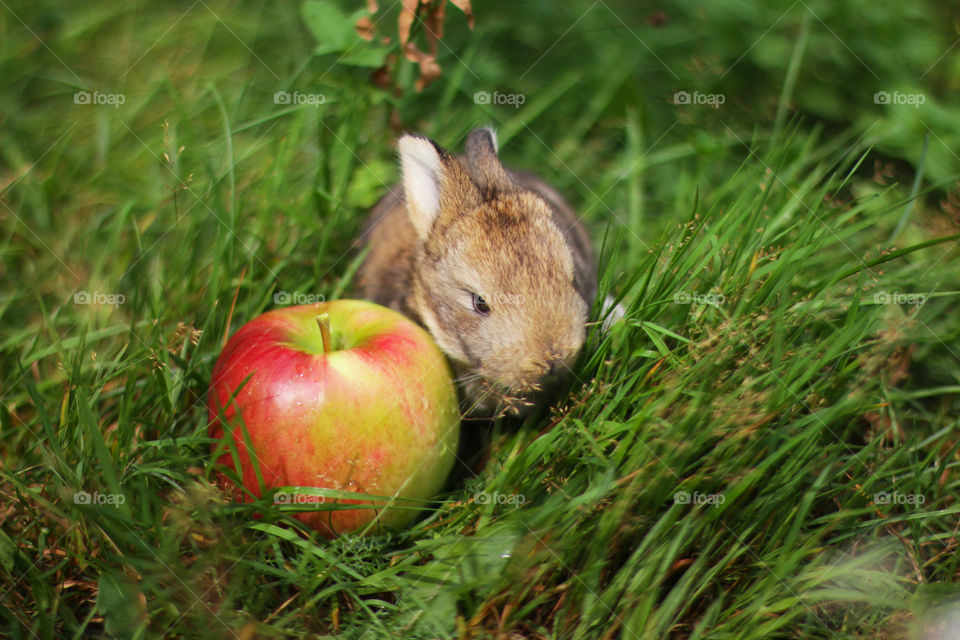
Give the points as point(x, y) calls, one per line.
point(323, 321)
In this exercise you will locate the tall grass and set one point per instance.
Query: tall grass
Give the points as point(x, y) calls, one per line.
point(764, 447)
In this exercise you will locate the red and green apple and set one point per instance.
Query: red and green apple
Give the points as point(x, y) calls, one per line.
point(345, 395)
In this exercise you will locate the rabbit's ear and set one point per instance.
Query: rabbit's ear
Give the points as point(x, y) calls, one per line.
point(421, 161)
point(432, 179)
point(483, 163)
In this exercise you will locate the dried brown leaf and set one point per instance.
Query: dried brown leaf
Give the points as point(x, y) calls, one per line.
point(364, 28)
point(408, 13)
point(433, 18)
point(429, 69)
point(433, 21)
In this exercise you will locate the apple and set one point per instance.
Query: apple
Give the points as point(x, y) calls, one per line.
point(345, 395)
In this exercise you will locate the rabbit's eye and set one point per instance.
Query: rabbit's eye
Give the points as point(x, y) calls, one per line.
point(480, 305)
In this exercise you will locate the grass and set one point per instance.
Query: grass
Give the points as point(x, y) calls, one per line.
point(765, 447)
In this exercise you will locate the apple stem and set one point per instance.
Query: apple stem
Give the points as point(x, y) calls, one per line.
point(323, 321)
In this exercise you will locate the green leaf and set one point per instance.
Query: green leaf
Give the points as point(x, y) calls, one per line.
point(334, 32)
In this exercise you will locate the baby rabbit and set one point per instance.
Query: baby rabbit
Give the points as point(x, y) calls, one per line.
point(491, 261)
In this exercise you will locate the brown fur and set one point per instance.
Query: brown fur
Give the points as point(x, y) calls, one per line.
point(486, 230)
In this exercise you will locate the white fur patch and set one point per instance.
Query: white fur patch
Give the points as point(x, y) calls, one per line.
point(493, 138)
point(422, 172)
point(616, 313)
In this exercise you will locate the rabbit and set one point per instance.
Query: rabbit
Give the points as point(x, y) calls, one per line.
point(491, 261)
